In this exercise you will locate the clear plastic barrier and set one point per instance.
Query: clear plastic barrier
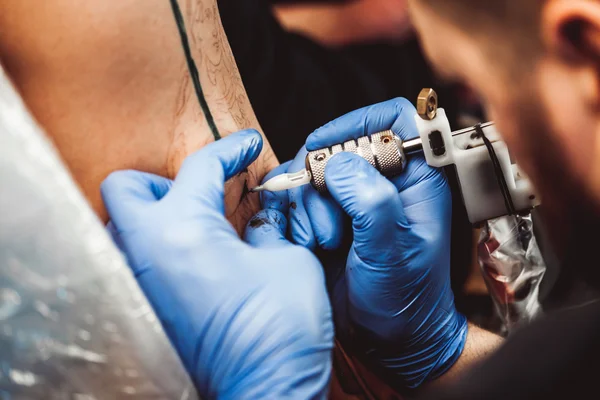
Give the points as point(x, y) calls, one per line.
point(73, 323)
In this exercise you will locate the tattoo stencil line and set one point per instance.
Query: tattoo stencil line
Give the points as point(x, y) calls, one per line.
point(193, 69)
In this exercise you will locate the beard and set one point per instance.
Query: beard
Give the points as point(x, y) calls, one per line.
point(569, 210)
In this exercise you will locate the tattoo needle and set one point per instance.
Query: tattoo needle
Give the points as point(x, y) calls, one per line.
point(284, 182)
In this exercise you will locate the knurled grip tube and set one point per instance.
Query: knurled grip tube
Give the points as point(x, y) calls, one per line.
point(382, 150)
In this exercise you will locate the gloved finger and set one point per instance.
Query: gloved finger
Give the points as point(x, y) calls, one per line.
point(317, 219)
point(267, 229)
point(202, 176)
point(378, 220)
point(276, 200)
point(428, 209)
point(326, 218)
point(126, 192)
point(300, 227)
point(116, 236)
point(396, 114)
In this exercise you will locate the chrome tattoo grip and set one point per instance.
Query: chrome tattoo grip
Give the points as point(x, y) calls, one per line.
point(382, 150)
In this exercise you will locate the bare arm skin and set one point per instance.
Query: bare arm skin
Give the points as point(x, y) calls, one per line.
point(109, 83)
point(480, 344)
point(354, 380)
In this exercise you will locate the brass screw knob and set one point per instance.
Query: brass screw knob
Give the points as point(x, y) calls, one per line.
point(427, 103)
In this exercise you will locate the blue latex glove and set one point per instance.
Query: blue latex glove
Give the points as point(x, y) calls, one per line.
point(248, 319)
point(394, 293)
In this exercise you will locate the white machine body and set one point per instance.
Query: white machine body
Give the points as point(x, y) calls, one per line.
point(479, 185)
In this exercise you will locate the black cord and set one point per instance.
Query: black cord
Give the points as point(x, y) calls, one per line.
point(193, 69)
point(508, 202)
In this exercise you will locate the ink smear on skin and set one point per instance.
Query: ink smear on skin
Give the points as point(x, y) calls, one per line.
point(257, 222)
point(245, 188)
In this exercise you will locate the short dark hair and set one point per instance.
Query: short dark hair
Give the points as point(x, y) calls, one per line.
point(517, 19)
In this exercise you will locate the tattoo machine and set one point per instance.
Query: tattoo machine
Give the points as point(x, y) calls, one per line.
point(491, 185)
point(497, 196)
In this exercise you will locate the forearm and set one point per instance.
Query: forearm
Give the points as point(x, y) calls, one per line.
point(479, 345)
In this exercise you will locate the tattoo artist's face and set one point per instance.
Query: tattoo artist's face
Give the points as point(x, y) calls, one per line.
point(540, 112)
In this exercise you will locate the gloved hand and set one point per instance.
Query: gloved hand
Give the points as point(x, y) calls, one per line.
point(394, 293)
point(249, 320)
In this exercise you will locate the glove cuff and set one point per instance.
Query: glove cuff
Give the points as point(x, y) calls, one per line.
point(452, 351)
point(443, 348)
point(429, 356)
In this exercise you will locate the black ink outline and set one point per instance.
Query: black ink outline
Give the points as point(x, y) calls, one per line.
point(193, 69)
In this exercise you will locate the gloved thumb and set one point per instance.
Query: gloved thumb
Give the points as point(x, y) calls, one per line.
point(126, 192)
point(267, 229)
point(372, 201)
point(202, 176)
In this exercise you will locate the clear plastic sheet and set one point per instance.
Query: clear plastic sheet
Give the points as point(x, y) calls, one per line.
point(73, 323)
point(513, 268)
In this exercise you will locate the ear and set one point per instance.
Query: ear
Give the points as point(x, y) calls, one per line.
point(572, 28)
point(570, 31)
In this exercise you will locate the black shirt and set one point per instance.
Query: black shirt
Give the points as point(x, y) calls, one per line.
point(557, 357)
point(296, 85)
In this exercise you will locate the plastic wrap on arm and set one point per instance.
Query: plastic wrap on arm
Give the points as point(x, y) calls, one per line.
point(513, 268)
point(73, 323)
